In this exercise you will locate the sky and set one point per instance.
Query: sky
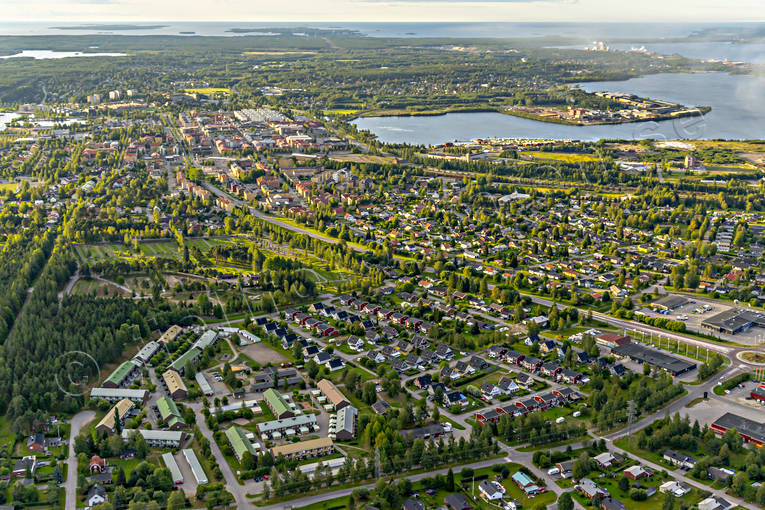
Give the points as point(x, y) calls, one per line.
point(383, 10)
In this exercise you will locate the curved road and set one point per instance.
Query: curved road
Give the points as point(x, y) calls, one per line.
point(78, 421)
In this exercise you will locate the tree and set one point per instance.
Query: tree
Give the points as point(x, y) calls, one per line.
point(81, 444)
point(581, 467)
point(248, 462)
point(624, 484)
point(449, 481)
point(117, 422)
point(177, 501)
point(565, 502)
point(141, 448)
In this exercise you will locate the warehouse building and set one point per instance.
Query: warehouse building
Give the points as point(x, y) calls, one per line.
point(752, 431)
point(670, 302)
point(734, 321)
point(642, 354)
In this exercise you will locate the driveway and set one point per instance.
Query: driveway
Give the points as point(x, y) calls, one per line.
point(78, 421)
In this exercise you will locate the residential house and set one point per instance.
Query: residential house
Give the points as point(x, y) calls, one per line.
point(96, 496)
point(491, 490)
point(679, 460)
point(457, 502)
point(590, 489)
point(508, 386)
point(605, 460)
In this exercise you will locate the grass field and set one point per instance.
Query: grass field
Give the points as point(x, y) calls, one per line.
point(208, 90)
point(562, 156)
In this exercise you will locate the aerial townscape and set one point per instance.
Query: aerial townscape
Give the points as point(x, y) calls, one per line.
point(238, 271)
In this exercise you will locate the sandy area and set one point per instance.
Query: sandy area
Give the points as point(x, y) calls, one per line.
point(263, 354)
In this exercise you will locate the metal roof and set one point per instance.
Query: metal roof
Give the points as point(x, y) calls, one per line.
point(175, 471)
point(196, 467)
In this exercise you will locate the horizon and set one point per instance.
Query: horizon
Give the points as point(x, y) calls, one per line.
point(386, 11)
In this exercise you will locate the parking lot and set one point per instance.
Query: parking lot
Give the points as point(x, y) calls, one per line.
point(740, 395)
point(697, 310)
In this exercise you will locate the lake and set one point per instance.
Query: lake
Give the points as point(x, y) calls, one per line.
point(738, 112)
point(48, 54)
point(585, 31)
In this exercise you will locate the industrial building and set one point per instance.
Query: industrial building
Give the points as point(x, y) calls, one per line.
point(750, 430)
point(734, 321)
point(642, 354)
point(670, 302)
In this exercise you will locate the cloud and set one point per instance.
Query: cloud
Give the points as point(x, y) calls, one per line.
point(446, 2)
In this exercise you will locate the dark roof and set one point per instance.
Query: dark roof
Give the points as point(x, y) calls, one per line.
point(412, 504)
point(750, 428)
point(457, 502)
point(643, 354)
point(612, 504)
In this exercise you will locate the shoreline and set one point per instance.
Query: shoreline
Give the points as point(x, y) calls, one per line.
point(699, 112)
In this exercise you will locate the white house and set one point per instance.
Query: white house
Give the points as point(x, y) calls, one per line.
point(675, 488)
point(97, 496)
point(491, 490)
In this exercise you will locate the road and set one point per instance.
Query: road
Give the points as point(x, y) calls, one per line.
point(238, 491)
point(78, 421)
point(276, 221)
point(320, 498)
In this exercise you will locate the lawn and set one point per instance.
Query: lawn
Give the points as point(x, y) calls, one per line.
point(513, 491)
point(565, 157)
point(330, 504)
point(630, 445)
